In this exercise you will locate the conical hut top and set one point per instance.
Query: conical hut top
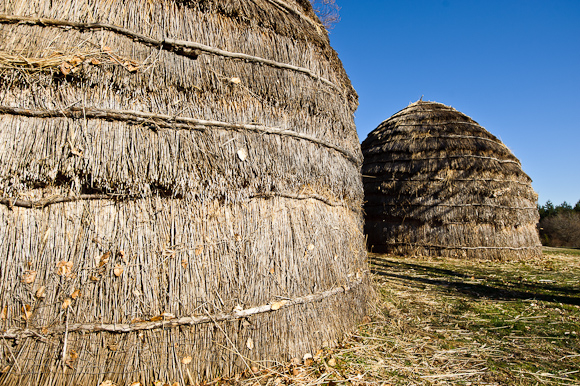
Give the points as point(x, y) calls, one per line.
point(437, 183)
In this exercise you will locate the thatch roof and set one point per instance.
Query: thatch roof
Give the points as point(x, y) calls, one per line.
point(439, 184)
point(180, 192)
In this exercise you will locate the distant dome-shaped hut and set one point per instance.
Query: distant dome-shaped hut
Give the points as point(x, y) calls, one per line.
point(180, 190)
point(438, 184)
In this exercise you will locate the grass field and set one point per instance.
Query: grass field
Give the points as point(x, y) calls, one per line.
point(455, 322)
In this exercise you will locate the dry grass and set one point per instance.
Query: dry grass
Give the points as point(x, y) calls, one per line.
point(440, 322)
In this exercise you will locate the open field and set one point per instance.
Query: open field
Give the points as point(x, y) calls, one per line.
point(439, 322)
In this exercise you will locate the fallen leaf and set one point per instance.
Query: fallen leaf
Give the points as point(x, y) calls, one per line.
point(187, 360)
point(106, 49)
point(250, 344)
point(72, 355)
point(136, 384)
point(64, 268)
point(235, 80)
point(198, 250)
point(157, 383)
point(242, 154)
point(76, 152)
point(94, 278)
point(156, 318)
point(272, 271)
point(107, 383)
point(75, 60)
point(76, 294)
point(95, 61)
point(5, 369)
point(4, 313)
point(121, 254)
point(277, 305)
point(28, 277)
point(104, 259)
point(113, 346)
point(41, 292)
point(132, 68)
point(118, 270)
point(66, 302)
point(184, 263)
point(332, 362)
point(254, 369)
point(65, 68)
point(27, 311)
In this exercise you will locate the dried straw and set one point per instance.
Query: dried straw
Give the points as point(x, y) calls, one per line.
point(180, 192)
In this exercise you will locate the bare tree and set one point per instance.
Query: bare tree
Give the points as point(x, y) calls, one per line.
point(327, 11)
point(561, 230)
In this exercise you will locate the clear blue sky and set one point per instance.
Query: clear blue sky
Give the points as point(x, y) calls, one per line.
point(511, 65)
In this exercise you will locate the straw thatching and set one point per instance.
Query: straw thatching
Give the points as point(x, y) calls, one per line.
point(438, 184)
point(180, 191)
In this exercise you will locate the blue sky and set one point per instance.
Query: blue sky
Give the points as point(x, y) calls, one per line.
point(511, 65)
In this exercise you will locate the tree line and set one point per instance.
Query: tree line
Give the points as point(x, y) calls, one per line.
point(559, 225)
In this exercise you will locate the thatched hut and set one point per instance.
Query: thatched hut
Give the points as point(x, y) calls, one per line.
point(180, 190)
point(438, 184)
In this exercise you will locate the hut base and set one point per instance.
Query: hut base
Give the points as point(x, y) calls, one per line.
point(472, 241)
point(85, 300)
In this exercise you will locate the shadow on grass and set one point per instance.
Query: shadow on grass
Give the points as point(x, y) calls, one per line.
point(494, 290)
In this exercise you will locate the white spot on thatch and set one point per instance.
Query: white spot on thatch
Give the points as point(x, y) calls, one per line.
point(242, 154)
point(235, 80)
point(250, 344)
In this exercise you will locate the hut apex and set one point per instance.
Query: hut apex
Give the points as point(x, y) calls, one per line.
point(180, 190)
point(438, 184)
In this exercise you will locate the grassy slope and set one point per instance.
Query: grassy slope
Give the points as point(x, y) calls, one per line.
point(457, 322)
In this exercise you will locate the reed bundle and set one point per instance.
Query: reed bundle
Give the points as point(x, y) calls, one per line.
point(441, 185)
point(180, 190)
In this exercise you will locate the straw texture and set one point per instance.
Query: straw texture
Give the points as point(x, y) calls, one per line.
point(180, 190)
point(438, 184)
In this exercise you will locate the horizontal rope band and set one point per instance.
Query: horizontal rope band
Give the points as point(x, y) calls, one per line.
point(41, 203)
point(168, 322)
point(57, 199)
point(181, 47)
point(378, 177)
point(286, 7)
point(402, 204)
point(444, 158)
point(450, 136)
point(411, 245)
point(169, 122)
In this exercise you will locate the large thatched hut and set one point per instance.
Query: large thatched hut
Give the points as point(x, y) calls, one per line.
point(438, 184)
point(180, 190)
